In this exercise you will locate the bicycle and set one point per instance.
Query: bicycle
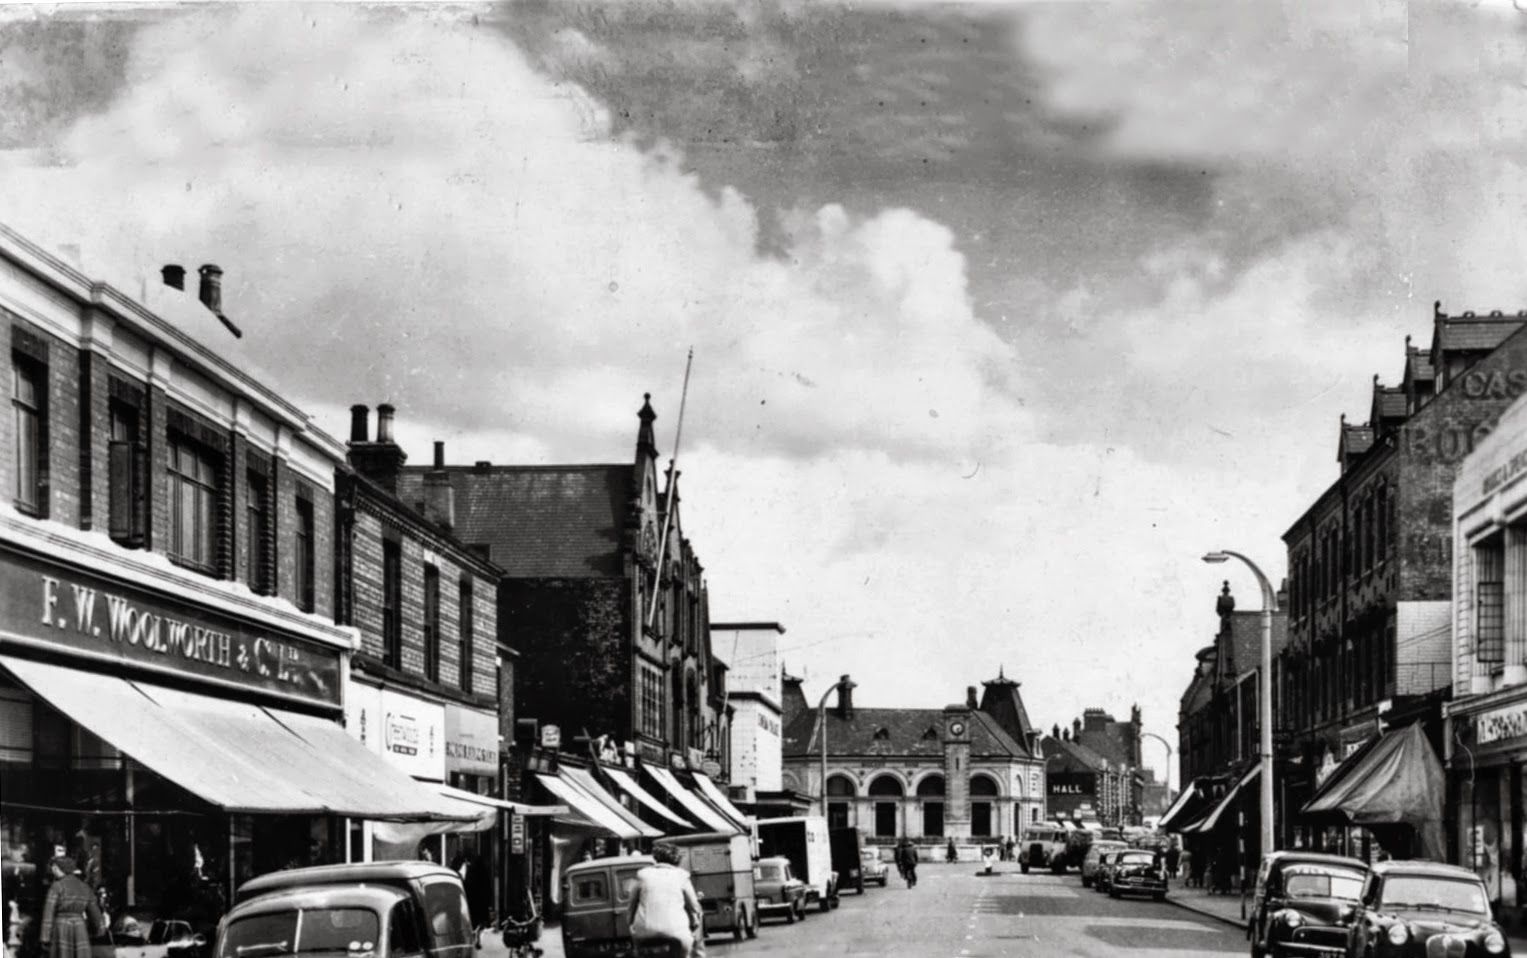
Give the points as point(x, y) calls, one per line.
point(520, 936)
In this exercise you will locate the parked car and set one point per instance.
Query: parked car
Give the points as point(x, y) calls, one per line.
point(777, 889)
point(1044, 846)
point(389, 908)
point(720, 865)
point(872, 867)
point(1096, 852)
point(1304, 903)
point(596, 903)
point(1137, 872)
point(1416, 908)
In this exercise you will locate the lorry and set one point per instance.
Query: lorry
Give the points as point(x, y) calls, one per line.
point(720, 865)
point(803, 840)
point(847, 846)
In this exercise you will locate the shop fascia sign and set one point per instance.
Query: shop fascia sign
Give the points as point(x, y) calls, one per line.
point(1500, 724)
point(74, 610)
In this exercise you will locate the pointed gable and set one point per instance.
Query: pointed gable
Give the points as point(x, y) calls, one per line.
point(1004, 704)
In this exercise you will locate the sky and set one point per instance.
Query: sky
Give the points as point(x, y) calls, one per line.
point(1002, 314)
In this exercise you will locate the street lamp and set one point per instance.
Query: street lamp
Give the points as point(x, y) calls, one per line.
point(1264, 692)
point(1167, 774)
point(847, 685)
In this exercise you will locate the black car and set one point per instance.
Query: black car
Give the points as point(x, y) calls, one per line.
point(1137, 871)
point(1415, 909)
point(1305, 903)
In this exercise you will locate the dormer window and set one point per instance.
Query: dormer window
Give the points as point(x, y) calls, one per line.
point(931, 733)
point(882, 734)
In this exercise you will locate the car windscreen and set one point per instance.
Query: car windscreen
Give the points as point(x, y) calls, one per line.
point(1135, 858)
point(771, 872)
point(302, 931)
point(1428, 892)
point(1323, 884)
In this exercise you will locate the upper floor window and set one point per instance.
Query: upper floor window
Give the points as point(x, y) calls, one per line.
point(466, 624)
point(652, 718)
point(304, 556)
point(432, 623)
point(257, 509)
point(128, 479)
point(193, 498)
point(1490, 601)
point(29, 407)
point(392, 599)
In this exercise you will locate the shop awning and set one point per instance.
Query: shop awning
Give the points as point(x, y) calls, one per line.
point(1394, 779)
point(712, 793)
point(1212, 819)
point(488, 801)
point(626, 783)
point(585, 780)
point(692, 805)
point(1178, 807)
point(587, 807)
point(238, 756)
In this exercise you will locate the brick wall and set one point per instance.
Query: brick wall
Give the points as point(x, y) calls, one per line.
point(61, 448)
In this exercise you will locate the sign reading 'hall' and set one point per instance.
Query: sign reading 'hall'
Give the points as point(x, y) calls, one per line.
point(78, 611)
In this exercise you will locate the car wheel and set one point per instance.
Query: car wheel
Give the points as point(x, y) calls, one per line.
point(1158, 896)
point(860, 884)
point(825, 905)
point(1086, 882)
point(740, 924)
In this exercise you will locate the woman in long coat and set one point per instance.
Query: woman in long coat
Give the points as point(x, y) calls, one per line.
point(70, 915)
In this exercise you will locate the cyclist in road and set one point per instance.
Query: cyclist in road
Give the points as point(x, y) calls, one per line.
point(906, 861)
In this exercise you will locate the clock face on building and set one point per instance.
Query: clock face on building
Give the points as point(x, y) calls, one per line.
point(956, 729)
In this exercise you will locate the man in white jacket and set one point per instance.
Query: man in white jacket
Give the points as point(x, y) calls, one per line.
point(664, 906)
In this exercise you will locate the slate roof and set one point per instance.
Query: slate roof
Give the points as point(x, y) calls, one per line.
point(1474, 333)
point(909, 732)
point(1418, 365)
point(540, 521)
point(1388, 403)
point(1355, 440)
point(1072, 756)
point(1001, 701)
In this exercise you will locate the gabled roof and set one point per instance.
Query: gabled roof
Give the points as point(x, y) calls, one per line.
point(1069, 755)
point(1388, 404)
point(1418, 365)
point(894, 732)
point(1355, 440)
point(540, 521)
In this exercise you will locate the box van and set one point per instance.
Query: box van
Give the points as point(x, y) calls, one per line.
point(720, 865)
point(847, 846)
point(596, 903)
point(802, 839)
point(1044, 846)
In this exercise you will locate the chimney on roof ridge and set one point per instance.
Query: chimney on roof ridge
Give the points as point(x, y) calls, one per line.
point(381, 460)
point(970, 697)
point(360, 422)
point(439, 494)
point(384, 414)
point(845, 699)
point(211, 292)
point(174, 276)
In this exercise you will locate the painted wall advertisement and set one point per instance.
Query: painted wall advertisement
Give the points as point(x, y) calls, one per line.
point(471, 741)
point(409, 731)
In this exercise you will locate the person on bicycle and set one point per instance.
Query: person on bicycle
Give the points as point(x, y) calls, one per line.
point(906, 861)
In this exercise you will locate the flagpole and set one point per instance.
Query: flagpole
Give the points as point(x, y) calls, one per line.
point(673, 477)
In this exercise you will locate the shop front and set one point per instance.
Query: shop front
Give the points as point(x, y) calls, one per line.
point(1388, 793)
point(1488, 735)
point(172, 736)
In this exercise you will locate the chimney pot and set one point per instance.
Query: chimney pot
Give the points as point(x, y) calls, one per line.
point(970, 696)
point(845, 699)
point(439, 454)
point(174, 275)
point(211, 292)
point(483, 465)
point(384, 413)
point(360, 416)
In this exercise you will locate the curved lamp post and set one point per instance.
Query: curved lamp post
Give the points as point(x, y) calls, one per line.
point(846, 684)
point(1167, 773)
point(1264, 692)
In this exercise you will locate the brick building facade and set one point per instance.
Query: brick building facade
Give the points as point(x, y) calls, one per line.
point(1370, 561)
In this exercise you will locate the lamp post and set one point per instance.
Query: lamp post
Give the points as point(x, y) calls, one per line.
point(847, 685)
point(1167, 775)
point(1264, 693)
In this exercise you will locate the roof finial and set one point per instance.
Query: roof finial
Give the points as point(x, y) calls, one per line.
point(999, 672)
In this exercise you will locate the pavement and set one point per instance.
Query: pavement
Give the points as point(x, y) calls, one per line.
point(1227, 908)
point(955, 912)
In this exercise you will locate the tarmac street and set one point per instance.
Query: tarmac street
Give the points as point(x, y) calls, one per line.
point(955, 913)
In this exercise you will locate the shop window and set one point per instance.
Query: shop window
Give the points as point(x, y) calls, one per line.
point(432, 623)
point(257, 514)
point(1490, 602)
point(127, 480)
point(29, 409)
point(392, 599)
point(465, 625)
point(193, 498)
point(304, 555)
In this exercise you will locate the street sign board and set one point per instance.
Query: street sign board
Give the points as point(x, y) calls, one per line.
point(551, 736)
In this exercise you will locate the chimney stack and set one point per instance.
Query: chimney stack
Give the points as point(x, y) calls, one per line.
point(439, 494)
point(970, 697)
point(211, 292)
point(845, 699)
point(384, 412)
point(360, 419)
point(174, 276)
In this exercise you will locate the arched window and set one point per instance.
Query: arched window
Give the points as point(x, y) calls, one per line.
point(982, 790)
point(840, 794)
point(931, 787)
point(931, 791)
point(840, 785)
point(887, 792)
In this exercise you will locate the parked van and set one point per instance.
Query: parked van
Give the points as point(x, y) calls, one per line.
point(720, 864)
point(1044, 846)
point(804, 841)
point(847, 846)
point(596, 901)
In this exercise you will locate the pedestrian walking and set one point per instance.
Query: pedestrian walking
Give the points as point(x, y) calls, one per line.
point(1009, 847)
point(477, 882)
point(906, 861)
point(664, 907)
point(1173, 859)
point(950, 854)
point(71, 915)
